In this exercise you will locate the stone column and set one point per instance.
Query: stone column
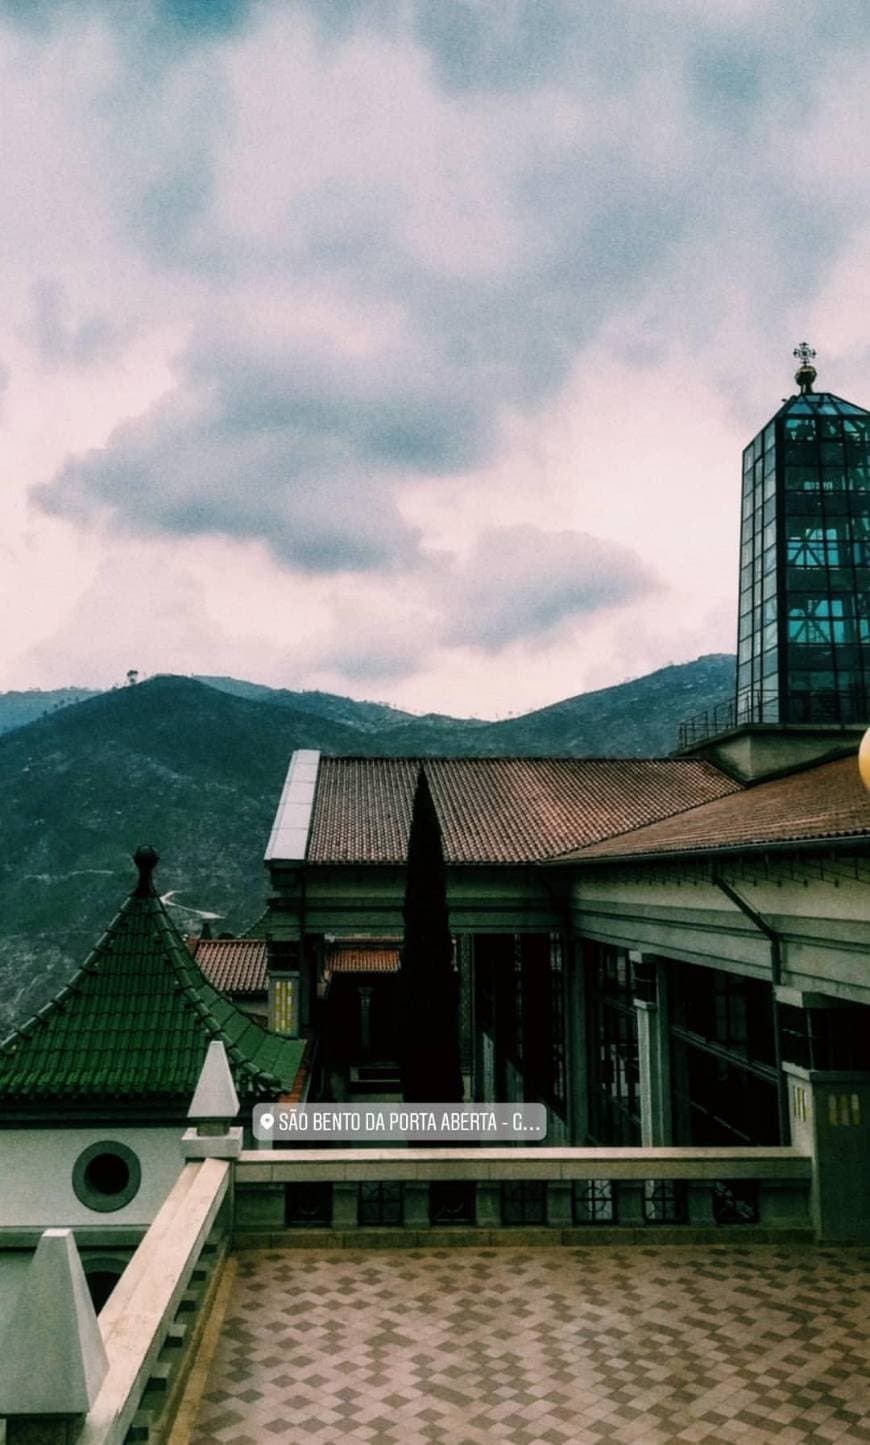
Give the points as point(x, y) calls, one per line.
point(830, 1120)
point(344, 1205)
point(653, 1052)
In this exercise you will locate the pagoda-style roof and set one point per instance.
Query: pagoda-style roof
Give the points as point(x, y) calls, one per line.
point(132, 1026)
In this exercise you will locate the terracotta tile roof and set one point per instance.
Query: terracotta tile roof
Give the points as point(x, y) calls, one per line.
point(364, 955)
point(499, 810)
point(133, 1025)
point(818, 803)
point(233, 965)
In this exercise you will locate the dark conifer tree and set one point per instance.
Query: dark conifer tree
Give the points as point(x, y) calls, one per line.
point(428, 982)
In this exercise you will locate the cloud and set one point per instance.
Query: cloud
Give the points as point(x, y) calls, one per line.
point(523, 582)
point(62, 341)
point(496, 234)
point(356, 282)
point(296, 445)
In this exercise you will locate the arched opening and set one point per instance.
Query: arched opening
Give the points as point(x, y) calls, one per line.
point(101, 1281)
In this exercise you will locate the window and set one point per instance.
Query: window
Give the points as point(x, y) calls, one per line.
point(664, 1201)
point(735, 1201)
point(307, 1205)
point(594, 1201)
point(106, 1176)
point(452, 1202)
point(380, 1204)
point(614, 1101)
point(524, 1202)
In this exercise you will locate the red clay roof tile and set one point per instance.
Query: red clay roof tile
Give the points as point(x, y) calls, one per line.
point(819, 803)
point(499, 810)
point(364, 956)
point(233, 965)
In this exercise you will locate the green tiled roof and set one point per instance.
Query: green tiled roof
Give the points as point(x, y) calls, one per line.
point(134, 1024)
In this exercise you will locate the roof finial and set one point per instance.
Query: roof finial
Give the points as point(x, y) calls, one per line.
point(146, 859)
point(806, 372)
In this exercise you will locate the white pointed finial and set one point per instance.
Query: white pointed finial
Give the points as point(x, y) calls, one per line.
point(52, 1357)
point(215, 1096)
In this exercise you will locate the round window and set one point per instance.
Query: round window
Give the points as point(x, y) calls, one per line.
point(106, 1176)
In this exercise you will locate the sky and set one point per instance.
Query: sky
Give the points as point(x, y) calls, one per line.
point(407, 348)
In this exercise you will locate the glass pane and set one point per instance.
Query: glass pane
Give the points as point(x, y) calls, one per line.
point(799, 428)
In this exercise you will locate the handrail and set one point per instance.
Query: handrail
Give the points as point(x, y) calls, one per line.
point(540, 1162)
point(840, 706)
point(136, 1319)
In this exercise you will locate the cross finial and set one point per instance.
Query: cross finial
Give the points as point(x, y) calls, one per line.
point(806, 372)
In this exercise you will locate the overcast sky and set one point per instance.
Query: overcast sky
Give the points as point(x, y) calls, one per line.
point(407, 349)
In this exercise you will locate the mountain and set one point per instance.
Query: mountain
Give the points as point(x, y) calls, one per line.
point(196, 768)
point(192, 770)
point(368, 716)
point(19, 708)
point(634, 719)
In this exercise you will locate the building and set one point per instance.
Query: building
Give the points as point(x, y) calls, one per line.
point(664, 951)
point(95, 1089)
point(803, 650)
point(236, 967)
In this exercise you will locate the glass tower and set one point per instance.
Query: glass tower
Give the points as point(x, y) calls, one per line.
point(803, 639)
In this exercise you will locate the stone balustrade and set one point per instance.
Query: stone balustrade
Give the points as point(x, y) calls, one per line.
point(397, 1196)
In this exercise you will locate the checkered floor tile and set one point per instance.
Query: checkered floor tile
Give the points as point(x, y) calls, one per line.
point(544, 1347)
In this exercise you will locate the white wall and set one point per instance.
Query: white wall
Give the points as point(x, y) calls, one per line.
point(36, 1168)
point(13, 1267)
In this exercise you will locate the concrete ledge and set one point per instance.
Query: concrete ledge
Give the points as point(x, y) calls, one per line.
point(88, 1236)
point(357, 1165)
point(216, 1146)
point(725, 1236)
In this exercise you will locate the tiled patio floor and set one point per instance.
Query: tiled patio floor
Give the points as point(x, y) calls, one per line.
point(543, 1347)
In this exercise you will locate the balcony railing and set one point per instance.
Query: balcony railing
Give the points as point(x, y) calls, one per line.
point(843, 708)
point(415, 1196)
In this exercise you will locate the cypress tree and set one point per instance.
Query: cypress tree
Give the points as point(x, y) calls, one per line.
point(428, 982)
